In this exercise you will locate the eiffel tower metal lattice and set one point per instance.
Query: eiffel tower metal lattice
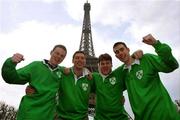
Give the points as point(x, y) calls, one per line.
point(86, 43)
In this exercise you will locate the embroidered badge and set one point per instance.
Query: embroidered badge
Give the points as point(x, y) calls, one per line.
point(58, 73)
point(112, 80)
point(84, 86)
point(139, 74)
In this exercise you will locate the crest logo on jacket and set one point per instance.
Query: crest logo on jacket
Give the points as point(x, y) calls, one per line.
point(139, 74)
point(84, 86)
point(112, 80)
point(58, 73)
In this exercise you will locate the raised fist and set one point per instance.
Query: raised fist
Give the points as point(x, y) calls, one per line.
point(17, 58)
point(149, 39)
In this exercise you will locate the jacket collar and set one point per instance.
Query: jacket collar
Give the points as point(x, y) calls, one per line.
point(136, 61)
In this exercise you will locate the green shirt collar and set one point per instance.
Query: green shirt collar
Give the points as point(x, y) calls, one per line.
point(85, 72)
point(136, 61)
point(45, 62)
point(104, 76)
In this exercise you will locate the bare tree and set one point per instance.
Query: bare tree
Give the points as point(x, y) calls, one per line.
point(178, 105)
point(7, 112)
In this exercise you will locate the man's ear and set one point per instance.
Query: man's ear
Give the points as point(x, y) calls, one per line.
point(72, 61)
point(51, 52)
point(128, 49)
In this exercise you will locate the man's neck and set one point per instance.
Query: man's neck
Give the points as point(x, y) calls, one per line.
point(129, 61)
point(78, 71)
point(50, 64)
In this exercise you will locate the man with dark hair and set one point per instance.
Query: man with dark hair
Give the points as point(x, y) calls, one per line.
point(147, 95)
point(43, 76)
point(109, 87)
point(74, 91)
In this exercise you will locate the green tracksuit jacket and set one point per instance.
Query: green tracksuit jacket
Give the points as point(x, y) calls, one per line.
point(109, 93)
point(74, 97)
point(41, 105)
point(148, 97)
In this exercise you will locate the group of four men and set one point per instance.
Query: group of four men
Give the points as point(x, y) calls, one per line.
point(64, 93)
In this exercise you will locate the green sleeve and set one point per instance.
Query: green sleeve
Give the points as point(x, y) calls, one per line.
point(164, 52)
point(11, 75)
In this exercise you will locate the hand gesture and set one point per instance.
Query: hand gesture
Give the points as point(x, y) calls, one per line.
point(89, 76)
point(137, 54)
point(149, 39)
point(17, 58)
point(30, 90)
point(66, 71)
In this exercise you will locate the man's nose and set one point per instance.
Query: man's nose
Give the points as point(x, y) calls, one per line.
point(120, 54)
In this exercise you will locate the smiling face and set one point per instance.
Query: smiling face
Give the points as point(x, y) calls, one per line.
point(121, 52)
point(105, 64)
point(105, 67)
point(79, 60)
point(57, 56)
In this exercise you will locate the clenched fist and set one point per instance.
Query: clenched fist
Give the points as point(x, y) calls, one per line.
point(149, 39)
point(17, 58)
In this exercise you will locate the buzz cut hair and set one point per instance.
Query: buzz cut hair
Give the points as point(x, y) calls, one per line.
point(104, 57)
point(120, 43)
point(60, 46)
point(78, 52)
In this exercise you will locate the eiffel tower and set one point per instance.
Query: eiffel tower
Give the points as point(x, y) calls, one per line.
point(86, 45)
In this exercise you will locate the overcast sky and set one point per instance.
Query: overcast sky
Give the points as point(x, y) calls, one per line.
point(33, 27)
